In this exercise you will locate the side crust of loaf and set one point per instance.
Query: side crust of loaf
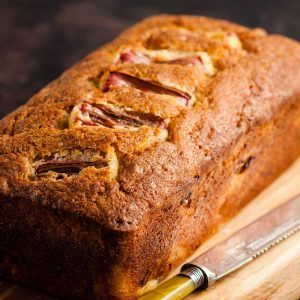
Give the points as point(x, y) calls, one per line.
point(94, 206)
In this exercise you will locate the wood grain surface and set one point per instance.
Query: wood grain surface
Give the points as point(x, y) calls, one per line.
point(274, 275)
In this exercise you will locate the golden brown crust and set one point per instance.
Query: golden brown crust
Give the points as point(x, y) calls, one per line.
point(160, 106)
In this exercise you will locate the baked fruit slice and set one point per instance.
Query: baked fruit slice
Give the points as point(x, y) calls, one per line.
point(116, 172)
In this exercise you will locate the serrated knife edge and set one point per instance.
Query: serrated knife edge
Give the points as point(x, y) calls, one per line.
point(274, 243)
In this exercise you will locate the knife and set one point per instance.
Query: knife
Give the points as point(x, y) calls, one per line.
point(233, 253)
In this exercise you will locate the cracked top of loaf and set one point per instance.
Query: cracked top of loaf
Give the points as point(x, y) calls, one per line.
point(142, 118)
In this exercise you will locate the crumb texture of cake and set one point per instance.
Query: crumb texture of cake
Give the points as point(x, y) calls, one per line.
point(117, 171)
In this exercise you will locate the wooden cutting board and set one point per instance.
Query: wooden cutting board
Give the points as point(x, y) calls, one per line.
point(274, 275)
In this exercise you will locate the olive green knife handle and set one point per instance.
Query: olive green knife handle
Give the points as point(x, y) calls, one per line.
point(179, 286)
point(175, 288)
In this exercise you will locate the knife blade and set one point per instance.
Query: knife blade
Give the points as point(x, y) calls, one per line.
point(232, 253)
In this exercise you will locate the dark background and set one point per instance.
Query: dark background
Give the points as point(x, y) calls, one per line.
point(41, 38)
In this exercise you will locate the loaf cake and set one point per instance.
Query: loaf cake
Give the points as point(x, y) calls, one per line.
point(117, 171)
